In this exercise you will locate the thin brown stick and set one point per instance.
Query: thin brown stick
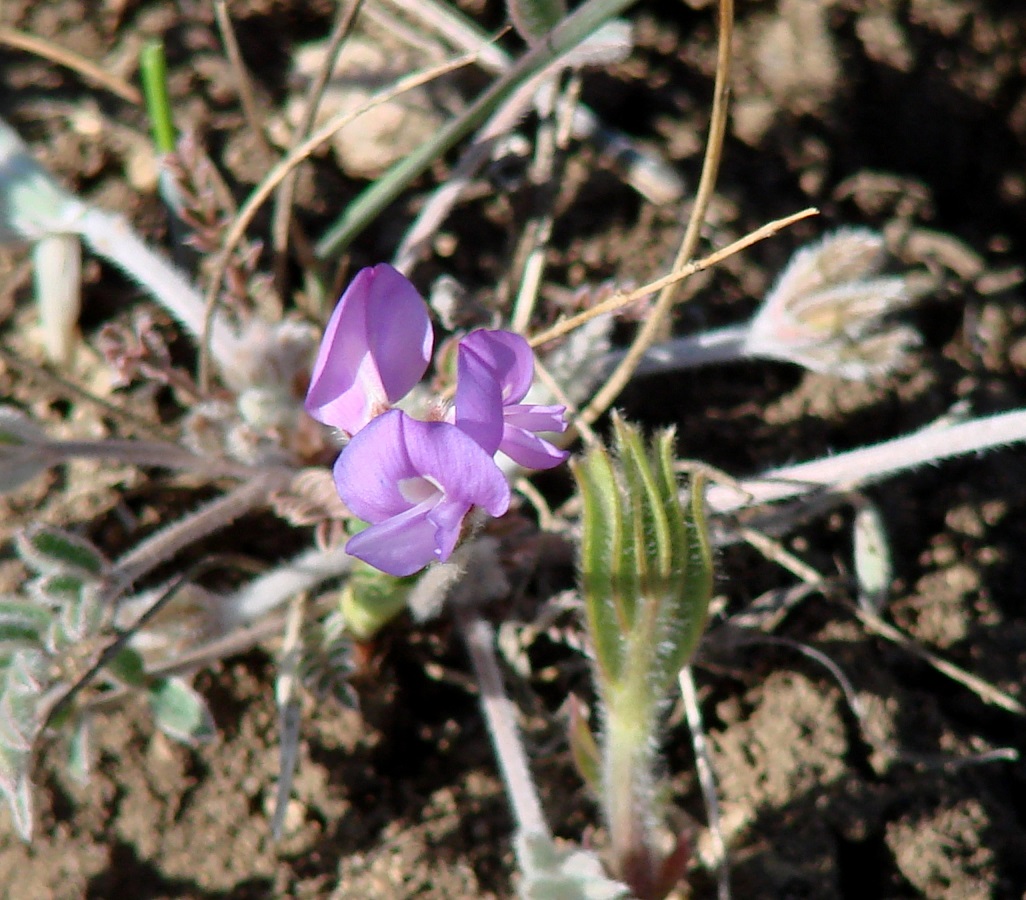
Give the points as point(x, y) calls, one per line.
point(648, 332)
point(280, 171)
point(282, 215)
point(983, 689)
point(70, 60)
point(530, 254)
point(873, 623)
point(247, 97)
point(620, 300)
point(242, 81)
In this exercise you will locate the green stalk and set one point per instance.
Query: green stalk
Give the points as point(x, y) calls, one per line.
point(153, 68)
point(628, 752)
point(646, 578)
point(574, 29)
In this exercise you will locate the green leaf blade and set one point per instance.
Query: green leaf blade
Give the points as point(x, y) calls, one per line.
point(533, 19)
point(49, 550)
point(180, 712)
point(601, 548)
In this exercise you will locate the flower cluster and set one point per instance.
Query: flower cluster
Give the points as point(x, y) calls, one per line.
point(415, 481)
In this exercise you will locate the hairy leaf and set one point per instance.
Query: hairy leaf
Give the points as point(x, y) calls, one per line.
point(80, 750)
point(551, 872)
point(180, 712)
point(16, 789)
point(50, 550)
point(533, 19)
point(22, 622)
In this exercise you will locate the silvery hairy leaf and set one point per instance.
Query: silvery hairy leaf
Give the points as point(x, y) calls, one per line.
point(83, 616)
point(22, 623)
point(80, 749)
point(826, 311)
point(871, 550)
point(327, 661)
point(562, 873)
point(16, 789)
point(180, 712)
point(48, 550)
point(32, 203)
point(21, 688)
point(57, 265)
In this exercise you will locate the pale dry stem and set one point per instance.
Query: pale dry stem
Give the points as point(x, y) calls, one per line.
point(623, 299)
point(649, 331)
point(281, 219)
point(243, 84)
point(983, 689)
point(89, 70)
point(281, 171)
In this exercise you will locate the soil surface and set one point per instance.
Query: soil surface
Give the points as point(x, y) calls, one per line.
point(907, 117)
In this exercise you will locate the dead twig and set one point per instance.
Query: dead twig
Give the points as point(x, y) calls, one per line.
point(281, 218)
point(983, 689)
point(242, 81)
point(649, 331)
point(70, 60)
point(278, 173)
point(987, 692)
point(620, 300)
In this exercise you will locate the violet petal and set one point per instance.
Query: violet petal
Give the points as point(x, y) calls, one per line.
point(401, 545)
point(478, 400)
point(507, 356)
point(398, 331)
point(414, 482)
point(535, 417)
point(530, 451)
point(371, 466)
point(456, 463)
point(375, 348)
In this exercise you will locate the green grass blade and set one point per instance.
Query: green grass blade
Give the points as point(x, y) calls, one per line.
point(153, 68)
point(362, 211)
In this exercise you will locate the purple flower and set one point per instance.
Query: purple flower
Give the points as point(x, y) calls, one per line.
point(376, 347)
point(493, 374)
point(414, 482)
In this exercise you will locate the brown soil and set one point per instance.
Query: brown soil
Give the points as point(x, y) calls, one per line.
point(909, 117)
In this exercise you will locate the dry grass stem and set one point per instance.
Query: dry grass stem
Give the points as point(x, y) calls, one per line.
point(622, 299)
point(281, 171)
point(281, 219)
point(243, 84)
point(706, 779)
point(655, 321)
point(86, 68)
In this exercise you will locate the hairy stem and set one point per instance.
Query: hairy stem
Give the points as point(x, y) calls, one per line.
point(857, 468)
point(691, 352)
point(113, 238)
point(137, 453)
point(500, 718)
point(627, 790)
point(164, 544)
point(270, 590)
